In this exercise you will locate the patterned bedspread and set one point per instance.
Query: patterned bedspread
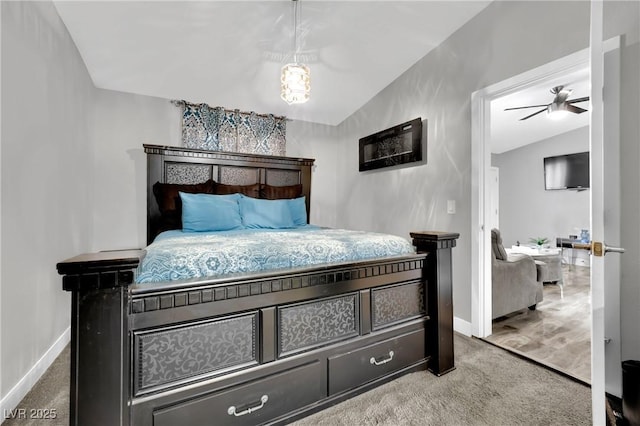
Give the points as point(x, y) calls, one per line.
point(176, 255)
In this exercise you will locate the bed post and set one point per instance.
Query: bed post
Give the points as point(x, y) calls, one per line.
point(438, 273)
point(99, 335)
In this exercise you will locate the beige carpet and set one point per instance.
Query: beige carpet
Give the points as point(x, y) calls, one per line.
point(489, 387)
point(50, 393)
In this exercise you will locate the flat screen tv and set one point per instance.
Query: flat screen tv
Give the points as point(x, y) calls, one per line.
point(569, 171)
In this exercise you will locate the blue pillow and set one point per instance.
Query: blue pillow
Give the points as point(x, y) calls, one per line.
point(206, 212)
point(270, 214)
point(298, 209)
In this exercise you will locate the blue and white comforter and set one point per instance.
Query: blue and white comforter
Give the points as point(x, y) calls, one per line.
point(176, 255)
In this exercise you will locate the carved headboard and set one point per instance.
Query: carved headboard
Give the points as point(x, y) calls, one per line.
point(170, 164)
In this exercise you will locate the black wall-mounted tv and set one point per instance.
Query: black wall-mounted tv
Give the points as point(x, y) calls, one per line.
point(569, 171)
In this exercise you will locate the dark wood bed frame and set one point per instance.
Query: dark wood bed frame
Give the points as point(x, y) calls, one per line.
point(256, 348)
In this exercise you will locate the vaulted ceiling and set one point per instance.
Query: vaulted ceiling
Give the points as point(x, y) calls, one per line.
point(229, 53)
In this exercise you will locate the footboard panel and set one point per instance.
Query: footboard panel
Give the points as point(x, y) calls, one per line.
point(185, 353)
point(308, 325)
point(397, 303)
point(251, 349)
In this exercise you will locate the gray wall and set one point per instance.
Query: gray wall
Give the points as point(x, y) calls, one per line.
point(527, 210)
point(122, 123)
point(47, 190)
point(73, 176)
point(505, 39)
point(318, 141)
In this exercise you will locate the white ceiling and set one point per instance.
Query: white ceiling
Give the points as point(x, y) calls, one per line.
point(229, 54)
point(508, 132)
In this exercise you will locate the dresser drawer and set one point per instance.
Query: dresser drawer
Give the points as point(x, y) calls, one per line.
point(253, 403)
point(355, 368)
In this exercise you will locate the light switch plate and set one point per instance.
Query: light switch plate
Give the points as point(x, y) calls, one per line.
point(451, 206)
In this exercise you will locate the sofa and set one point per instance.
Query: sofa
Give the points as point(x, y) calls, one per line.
point(516, 279)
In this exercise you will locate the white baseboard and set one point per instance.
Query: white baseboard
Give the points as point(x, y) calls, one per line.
point(462, 326)
point(20, 390)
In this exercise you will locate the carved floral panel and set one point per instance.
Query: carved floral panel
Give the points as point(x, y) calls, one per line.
point(396, 303)
point(316, 323)
point(171, 355)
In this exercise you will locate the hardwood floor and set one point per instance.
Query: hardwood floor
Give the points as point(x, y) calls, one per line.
point(558, 332)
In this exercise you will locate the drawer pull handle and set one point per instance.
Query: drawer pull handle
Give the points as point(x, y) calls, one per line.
point(384, 361)
point(232, 409)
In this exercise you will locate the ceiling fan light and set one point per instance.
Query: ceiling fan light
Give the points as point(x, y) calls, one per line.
point(295, 85)
point(557, 111)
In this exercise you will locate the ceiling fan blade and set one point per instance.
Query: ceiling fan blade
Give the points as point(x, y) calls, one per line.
point(528, 106)
point(535, 113)
point(573, 101)
point(574, 109)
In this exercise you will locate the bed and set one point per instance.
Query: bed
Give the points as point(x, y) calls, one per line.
point(265, 345)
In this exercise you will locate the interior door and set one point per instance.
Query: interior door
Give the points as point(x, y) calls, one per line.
point(615, 199)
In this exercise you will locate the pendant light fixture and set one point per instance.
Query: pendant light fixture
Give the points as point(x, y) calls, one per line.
point(295, 79)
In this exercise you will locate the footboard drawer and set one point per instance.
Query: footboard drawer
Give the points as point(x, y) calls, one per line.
point(355, 368)
point(254, 403)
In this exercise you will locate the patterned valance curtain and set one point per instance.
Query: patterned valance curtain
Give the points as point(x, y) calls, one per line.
point(218, 129)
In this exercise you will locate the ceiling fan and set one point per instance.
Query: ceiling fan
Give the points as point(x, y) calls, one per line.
point(559, 106)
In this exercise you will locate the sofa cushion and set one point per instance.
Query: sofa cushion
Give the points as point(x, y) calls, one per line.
point(496, 245)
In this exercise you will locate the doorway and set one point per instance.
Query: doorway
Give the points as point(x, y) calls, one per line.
point(615, 71)
point(531, 211)
point(481, 163)
point(605, 322)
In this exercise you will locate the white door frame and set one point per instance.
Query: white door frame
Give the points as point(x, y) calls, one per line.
point(480, 164)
